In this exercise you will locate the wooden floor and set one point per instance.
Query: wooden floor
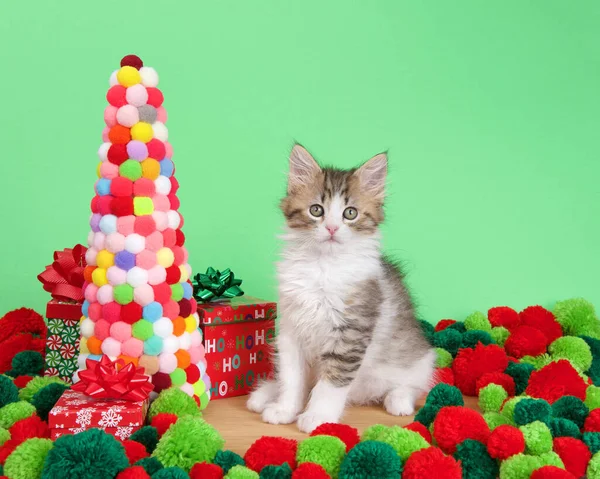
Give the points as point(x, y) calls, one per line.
point(241, 428)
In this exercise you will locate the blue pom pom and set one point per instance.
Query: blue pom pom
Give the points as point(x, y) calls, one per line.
point(153, 311)
point(166, 167)
point(153, 346)
point(85, 307)
point(103, 187)
point(95, 357)
point(187, 290)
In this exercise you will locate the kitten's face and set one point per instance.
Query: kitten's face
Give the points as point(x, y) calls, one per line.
point(330, 206)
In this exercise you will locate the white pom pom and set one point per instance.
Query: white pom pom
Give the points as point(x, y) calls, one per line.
point(90, 256)
point(116, 275)
point(137, 276)
point(81, 360)
point(170, 344)
point(163, 327)
point(90, 239)
point(87, 328)
point(185, 341)
point(113, 79)
point(160, 131)
point(103, 151)
point(162, 184)
point(134, 243)
point(149, 77)
point(196, 338)
point(173, 219)
point(108, 224)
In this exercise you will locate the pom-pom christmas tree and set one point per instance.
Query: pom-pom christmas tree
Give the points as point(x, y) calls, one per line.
point(138, 304)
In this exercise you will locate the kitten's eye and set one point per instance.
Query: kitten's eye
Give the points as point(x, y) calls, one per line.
point(350, 213)
point(316, 210)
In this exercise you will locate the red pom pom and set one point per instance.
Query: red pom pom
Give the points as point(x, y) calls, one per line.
point(22, 320)
point(144, 225)
point(156, 148)
point(431, 462)
point(173, 275)
point(267, 451)
point(131, 313)
point(501, 379)
point(132, 61)
point(117, 154)
point(134, 451)
point(162, 292)
point(526, 341)
point(121, 186)
point(163, 421)
point(17, 344)
point(443, 375)
point(443, 324)
point(7, 448)
point(116, 95)
point(503, 316)
point(470, 364)
point(592, 422)
point(94, 204)
point(161, 381)
point(551, 472)
point(179, 237)
point(155, 98)
point(574, 454)
point(204, 470)
point(454, 424)
point(29, 427)
point(134, 472)
point(175, 203)
point(556, 380)
point(185, 308)
point(309, 470)
point(192, 374)
point(121, 206)
point(104, 204)
point(421, 429)
point(22, 381)
point(174, 184)
point(542, 319)
point(505, 441)
point(347, 434)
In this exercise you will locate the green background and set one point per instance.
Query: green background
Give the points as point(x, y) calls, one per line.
point(490, 112)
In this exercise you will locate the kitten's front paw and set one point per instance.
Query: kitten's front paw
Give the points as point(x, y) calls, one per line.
point(399, 403)
point(277, 413)
point(308, 421)
point(260, 397)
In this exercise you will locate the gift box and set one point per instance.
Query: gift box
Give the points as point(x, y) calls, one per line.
point(76, 412)
point(63, 279)
point(238, 336)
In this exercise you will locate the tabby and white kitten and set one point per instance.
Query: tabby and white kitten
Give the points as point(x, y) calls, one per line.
point(348, 333)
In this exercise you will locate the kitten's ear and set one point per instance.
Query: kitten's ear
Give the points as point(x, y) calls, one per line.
point(372, 175)
point(303, 168)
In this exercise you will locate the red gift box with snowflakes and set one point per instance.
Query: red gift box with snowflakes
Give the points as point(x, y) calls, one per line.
point(238, 339)
point(76, 412)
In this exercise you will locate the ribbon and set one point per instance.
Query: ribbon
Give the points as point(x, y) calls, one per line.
point(215, 285)
point(113, 380)
point(63, 279)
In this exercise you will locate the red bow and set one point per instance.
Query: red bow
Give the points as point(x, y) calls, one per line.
point(63, 279)
point(113, 380)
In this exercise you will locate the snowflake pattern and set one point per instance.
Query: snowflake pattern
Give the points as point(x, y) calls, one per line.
point(53, 359)
point(76, 430)
point(123, 432)
point(110, 418)
point(76, 402)
point(223, 331)
point(58, 410)
point(55, 326)
point(216, 366)
point(231, 344)
point(84, 417)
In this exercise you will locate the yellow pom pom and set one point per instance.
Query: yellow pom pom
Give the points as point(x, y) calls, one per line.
point(98, 170)
point(142, 205)
point(184, 274)
point(165, 257)
point(105, 259)
point(141, 131)
point(128, 76)
point(99, 277)
point(150, 169)
point(199, 388)
point(83, 346)
point(190, 324)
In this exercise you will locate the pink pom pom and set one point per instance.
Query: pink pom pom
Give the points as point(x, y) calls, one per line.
point(115, 242)
point(133, 347)
point(128, 116)
point(121, 331)
point(95, 311)
point(111, 347)
point(116, 275)
point(111, 312)
point(196, 354)
point(109, 170)
point(90, 293)
point(161, 203)
point(169, 151)
point(90, 256)
point(161, 219)
point(157, 274)
point(178, 253)
point(170, 309)
point(161, 114)
point(105, 294)
point(102, 329)
point(105, 138)
point(169, 238)
point(167, 363)
point(196, 337)
point(99, 239)
point(110, 115)
point(137, 95)
point(146, 260)
point(144, 187)
point(144, 294)
point(144, 225)
point(125, 225)
point(154, 242)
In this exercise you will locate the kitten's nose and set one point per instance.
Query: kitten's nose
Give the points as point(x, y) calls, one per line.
point(332, 229)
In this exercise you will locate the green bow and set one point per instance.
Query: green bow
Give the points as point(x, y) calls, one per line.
point(214, 285)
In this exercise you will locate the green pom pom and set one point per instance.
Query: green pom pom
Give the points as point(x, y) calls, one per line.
point(27, 460)
point(227, 459)
point(520, 373)
point(538, 362)
point(8, 391)
point(15, 411)
point(444, 395)
point(593, 469)
point(494, 419)
point(26, 363)
point(188, 441)
point(426, 415)
point(471, 338)
point(174, 401)
point(150, 465)
point(475, 460)
point(538, 438)
point(448, 339)
point(500, 334)
point(45, 399)
point(444, 358)
point(173, 472)
point(428, 330)
point(477, 321)
point(508, 409)
point(570, 407)
point(241, 472)
point(404, 441)
point(276, 472)
point(592, 397)
point(458, 326)
point(519, 466)
point(561, 427)
point(551, 459)
point(33, 386)
point(371, 459)
point(91, 453)
point(530, 410)
point(327, 451)
point(491, 398)
point(148, 436)
point(574, 349)
point(577, 318)
point(4, 436)
point(592, 441)
point(374, 432)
